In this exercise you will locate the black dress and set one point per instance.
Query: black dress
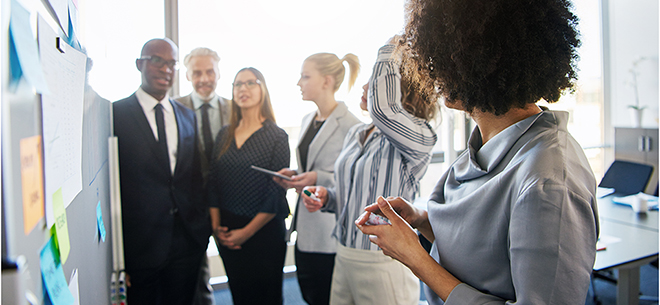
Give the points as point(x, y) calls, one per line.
point(254, 271)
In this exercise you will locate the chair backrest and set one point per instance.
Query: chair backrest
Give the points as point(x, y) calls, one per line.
point(627, 178)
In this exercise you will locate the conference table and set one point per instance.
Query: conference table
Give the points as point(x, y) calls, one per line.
point(630, 240)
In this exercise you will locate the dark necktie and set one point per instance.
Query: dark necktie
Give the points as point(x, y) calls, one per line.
point(206, 131)
point(162, 137)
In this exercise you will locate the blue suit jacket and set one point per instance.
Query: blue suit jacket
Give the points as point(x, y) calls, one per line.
point(148, 189)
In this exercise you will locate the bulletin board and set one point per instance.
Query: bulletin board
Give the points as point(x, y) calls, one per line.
point(55, 165)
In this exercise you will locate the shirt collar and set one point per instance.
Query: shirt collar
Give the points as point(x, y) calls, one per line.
point(483, 158)
point(363, 137)
point(148, 102)
point(198, 101)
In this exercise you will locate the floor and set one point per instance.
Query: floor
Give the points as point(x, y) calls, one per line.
point(291, 290)
point(606, 291)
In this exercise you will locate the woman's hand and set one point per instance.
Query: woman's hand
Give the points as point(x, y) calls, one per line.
point(407, 211)
point(394, 40)
point(321, 194)
point(301, 181)
point(221, 235)
point(397, 240)
point(233, 239)
point(219, 231)
point(400, 242)
point(282, 182)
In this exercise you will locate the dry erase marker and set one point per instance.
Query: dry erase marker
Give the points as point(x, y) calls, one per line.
point(308, 193)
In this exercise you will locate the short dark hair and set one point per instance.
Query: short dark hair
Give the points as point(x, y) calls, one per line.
point(492, 55)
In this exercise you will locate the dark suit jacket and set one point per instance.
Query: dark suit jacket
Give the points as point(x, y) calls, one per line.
point(225, 116)
point(148, 189)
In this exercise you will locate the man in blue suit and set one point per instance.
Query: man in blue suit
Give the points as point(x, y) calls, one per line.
point(165, 217)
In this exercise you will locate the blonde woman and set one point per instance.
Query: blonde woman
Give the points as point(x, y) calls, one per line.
point(247, 207)
point(321, 137)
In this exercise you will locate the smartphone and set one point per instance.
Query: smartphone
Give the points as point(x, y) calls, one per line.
point(375, 220)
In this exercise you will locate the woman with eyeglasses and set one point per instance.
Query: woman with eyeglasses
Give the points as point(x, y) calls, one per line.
point(321, 137)
point(248, 208)
point(388, 156)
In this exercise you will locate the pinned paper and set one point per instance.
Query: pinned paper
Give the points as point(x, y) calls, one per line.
point(24, 57)
point(53, 276)
point(32, 182)
point(99, 221)
point(61, 10)
point(62, 117)
point(61, 226)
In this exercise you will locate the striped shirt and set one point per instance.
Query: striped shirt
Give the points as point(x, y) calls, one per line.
point(388, 162)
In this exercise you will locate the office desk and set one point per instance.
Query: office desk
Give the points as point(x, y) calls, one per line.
point(636, 245)
point(624, 214)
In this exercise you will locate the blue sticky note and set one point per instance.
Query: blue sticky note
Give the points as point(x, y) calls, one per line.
point(14, 65)
point(72, 40)
point(53, 276)
point(99, 221)
point(25, 48)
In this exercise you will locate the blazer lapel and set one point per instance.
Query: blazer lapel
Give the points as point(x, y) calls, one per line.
point(326, 130)
point(185, 133)
point(147, 133)
point(305, 126)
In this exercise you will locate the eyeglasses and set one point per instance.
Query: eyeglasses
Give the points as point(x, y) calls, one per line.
point(159, 62)
point(249, 84)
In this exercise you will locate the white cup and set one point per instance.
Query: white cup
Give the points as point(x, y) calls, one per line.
point(639, 205)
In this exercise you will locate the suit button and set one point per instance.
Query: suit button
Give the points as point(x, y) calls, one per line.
point(174, 211)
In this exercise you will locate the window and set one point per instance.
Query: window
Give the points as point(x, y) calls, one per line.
point(113, 33)
point(586, 122)
point(276, 38)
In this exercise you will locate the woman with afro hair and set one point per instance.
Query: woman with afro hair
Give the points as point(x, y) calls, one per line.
point(514, 218)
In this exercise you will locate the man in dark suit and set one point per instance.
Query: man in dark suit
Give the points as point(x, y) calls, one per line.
point(212, 112)
point(203, 72)
point(165, 217)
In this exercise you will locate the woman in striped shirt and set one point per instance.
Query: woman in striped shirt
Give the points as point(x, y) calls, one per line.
point(388, 156)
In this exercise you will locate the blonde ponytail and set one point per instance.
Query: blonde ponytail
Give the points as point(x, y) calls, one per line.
point(330, 64)
point(353, 66)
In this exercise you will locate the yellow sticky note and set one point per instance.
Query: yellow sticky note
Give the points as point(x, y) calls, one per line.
point(32, 182)
point(61, 226)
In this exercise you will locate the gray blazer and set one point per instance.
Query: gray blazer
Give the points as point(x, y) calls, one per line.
point(225, 116)
point(315, 229)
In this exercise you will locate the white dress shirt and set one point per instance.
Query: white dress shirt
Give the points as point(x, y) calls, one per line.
point(148, 102)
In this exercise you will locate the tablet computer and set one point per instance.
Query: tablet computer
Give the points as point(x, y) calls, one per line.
point(270, 172)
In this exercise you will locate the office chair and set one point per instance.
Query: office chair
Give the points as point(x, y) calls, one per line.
point(627, 178)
